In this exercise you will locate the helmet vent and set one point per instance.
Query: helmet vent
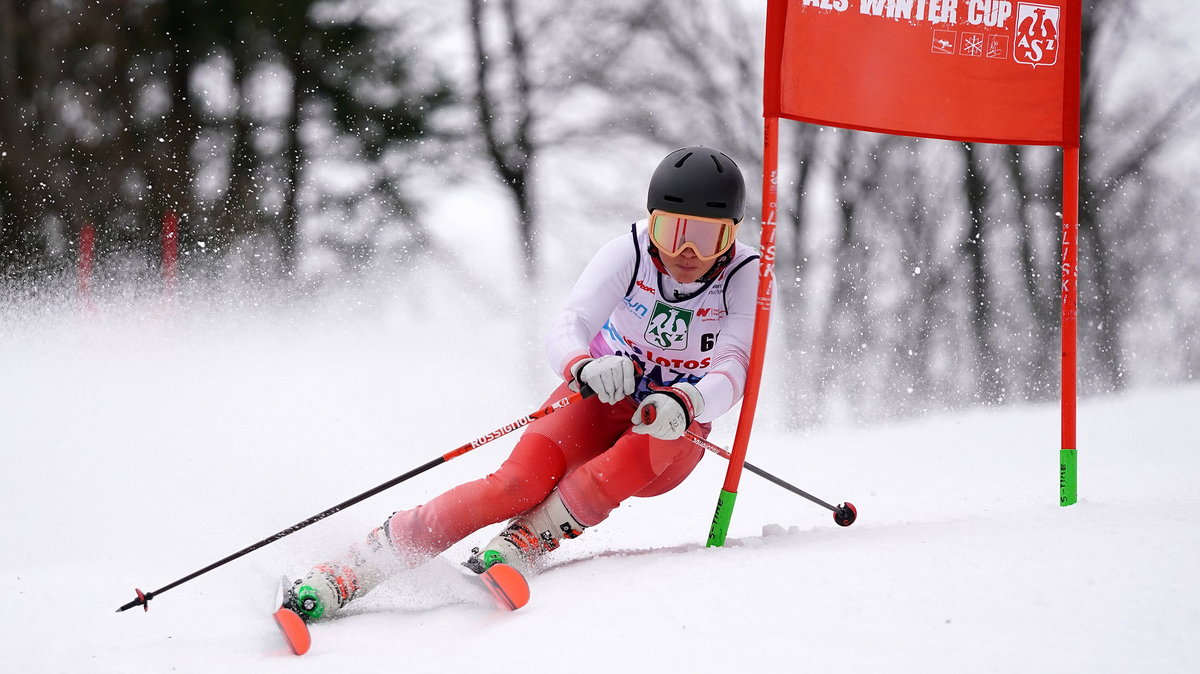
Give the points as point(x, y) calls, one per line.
point(716, 204)
point(720, 169)
point(679, 164)
point(672, 198)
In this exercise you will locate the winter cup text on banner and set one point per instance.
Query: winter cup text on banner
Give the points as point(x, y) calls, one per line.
point(993, 71)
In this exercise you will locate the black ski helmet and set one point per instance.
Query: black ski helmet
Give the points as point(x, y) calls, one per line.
point(698, 181)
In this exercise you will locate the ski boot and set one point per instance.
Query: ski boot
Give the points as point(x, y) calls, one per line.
point(322, 592)
point(527, 538)
point(327, 588)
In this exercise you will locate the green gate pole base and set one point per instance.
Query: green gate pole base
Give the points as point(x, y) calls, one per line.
point(720, 523)
point(1068, 477)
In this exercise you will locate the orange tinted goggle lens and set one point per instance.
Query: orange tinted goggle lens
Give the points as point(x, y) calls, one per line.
point(707, 238)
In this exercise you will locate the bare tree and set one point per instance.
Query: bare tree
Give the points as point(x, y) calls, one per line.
point(1119, 141)
point(506, 126)
point(1034, 203)
point(982, 313)
point(672, 73)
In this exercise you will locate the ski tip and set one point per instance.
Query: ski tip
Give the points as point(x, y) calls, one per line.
point(294, 630)
point(508, 587)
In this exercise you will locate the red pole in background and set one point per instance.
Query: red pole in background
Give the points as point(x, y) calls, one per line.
point(84, 264)
point(1068, 471)
point(170, 255)
point(1068, 460)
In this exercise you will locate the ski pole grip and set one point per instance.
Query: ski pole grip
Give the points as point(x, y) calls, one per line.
point(587, 392)
point(649, 414)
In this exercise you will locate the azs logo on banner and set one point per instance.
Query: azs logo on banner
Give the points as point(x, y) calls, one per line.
point(1037, 34)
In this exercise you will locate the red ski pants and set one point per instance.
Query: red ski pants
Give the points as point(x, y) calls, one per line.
point(586, 450)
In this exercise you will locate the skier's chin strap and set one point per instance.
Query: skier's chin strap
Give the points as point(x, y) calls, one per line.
point(721, 264)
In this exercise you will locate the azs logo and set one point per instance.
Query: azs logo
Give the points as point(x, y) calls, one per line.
point(1037, 40)
point(668, 327)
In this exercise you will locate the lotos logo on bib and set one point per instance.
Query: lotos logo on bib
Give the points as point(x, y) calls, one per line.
point(668, 326)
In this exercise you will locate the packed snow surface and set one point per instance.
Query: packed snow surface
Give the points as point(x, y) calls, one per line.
point(138, 449)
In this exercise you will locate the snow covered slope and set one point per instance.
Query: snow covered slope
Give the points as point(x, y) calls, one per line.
point(137, 450)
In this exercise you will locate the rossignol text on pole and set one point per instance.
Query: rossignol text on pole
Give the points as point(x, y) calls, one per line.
point(143, 598)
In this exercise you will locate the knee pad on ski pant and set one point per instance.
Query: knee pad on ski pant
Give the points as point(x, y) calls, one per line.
point(524, 480)
point(635, 465)
point(684, 454)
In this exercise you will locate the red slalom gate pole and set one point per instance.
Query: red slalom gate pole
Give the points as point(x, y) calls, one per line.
point(170, 255)
point(758, 347)
point(143, 598)
point(84, 265)
point(1068, 470)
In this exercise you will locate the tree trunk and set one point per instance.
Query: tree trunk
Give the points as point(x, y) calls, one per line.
point(512, 158)
point(1039, 265)
point(288, 228)
point(988, 376)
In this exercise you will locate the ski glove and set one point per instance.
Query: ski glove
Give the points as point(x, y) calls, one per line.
point(612, 378)
point(675, 407)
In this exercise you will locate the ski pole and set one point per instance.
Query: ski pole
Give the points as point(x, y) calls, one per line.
point(143, 598)
point(843, 514)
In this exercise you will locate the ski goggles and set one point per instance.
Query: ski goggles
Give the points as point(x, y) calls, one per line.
point(707, 237)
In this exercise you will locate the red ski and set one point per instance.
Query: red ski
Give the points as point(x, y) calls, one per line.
point(293, 627)
point(507, 585)
point(295, 631)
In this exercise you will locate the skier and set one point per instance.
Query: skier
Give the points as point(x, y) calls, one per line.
point(662, 316)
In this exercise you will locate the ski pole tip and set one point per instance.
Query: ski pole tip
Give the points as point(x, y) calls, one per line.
point(143, 600)
point(845, 514)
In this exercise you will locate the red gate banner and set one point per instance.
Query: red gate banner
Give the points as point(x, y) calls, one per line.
point(993, 71)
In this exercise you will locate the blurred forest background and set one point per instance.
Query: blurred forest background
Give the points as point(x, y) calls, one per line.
point(303, 141)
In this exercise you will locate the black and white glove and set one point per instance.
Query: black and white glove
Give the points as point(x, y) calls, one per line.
point(674, 409)
point(613, 378)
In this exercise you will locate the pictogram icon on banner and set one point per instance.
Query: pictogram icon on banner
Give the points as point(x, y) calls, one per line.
point(997, 47)
point(944, 42)
point(972, 44)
